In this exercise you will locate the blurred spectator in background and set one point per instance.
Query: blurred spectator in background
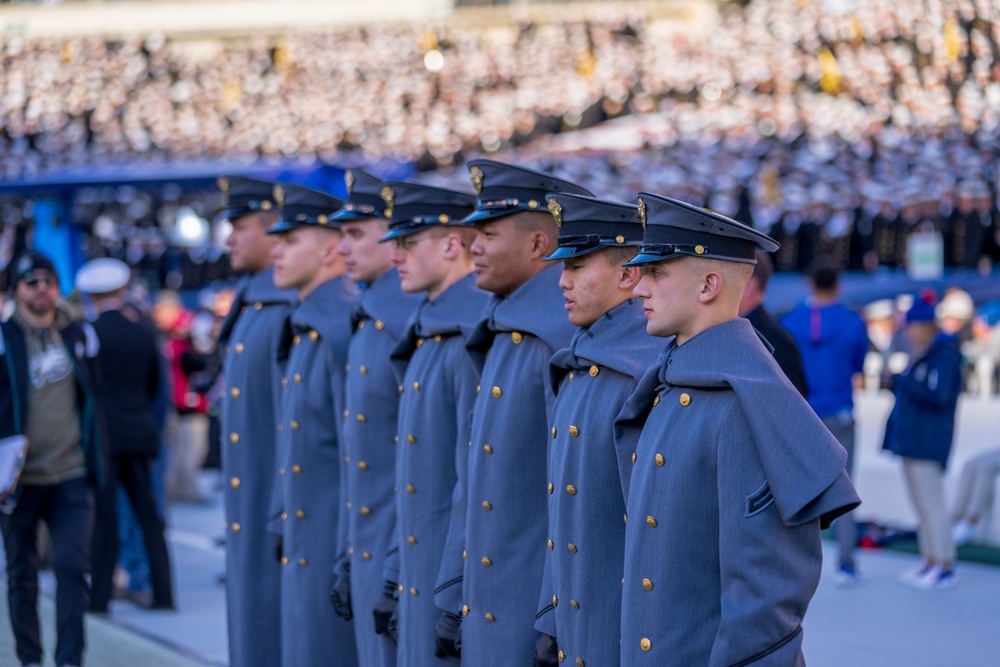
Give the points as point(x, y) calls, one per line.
point(975, 495)
point(983, 349)
point(786, 352)
point(833, 343)
point(920, 430)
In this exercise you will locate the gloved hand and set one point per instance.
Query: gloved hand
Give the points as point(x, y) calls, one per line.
point(385, 610)
point(340, 593)
point(449, 635)
point(546, 651)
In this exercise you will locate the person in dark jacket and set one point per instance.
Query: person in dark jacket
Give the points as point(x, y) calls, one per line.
point(129, 370)
point(920, 430)
point(786, 352)
point(48, 393)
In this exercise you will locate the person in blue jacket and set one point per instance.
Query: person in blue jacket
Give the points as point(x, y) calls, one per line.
point(588, 470)
point(437, 392)
point(920, 430)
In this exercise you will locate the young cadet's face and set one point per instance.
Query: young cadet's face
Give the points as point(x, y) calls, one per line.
point(249, 247)
point(590, 287)
point(669, 292)
point(501, 255)
point(298, 257)
point(420, 260)
point(365, 258)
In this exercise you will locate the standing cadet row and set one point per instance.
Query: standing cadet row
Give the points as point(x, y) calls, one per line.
point(444, 463)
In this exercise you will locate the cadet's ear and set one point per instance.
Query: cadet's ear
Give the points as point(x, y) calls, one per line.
point(453, 246)
point(539, 244)
point(712, 283)
point(628, 277)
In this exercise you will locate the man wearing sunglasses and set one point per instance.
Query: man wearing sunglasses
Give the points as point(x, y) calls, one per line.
point(47, 393)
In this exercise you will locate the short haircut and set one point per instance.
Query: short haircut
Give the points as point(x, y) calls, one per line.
point(618, 255)
point(763, 270)
point(466, 234)
point(825, 278)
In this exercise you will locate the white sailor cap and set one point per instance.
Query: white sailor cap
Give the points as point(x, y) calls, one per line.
point(103, 275)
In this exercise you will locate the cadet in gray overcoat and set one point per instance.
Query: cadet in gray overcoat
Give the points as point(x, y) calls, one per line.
point(439, 381)
point(591, 379)
point(309, 428)
point(733, 476)
point(378, 318)
point(521, 329)
point(249, 340)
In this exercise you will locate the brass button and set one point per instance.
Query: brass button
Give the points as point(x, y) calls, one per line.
point(551, 487)
point(366, 555)
point(633, 458)
point(362, 465)
point(625, 518)
point(379, 325)
point(497, 393)
point(411, 539)
point(361, 418)
point(236, 527)
point(235, 392)
point(574, 604)
point(295, 426)
point(361, 324)
point(571, 376)
point(284, 560)
point(234, 438)
point(364, 370)
point(365, 511)
point(420, 341)
point(618, 239)
point(647, 584)
point(416, 386)
point(346, 412)
point(296, 339)
point(651, 521)
point(594, 370)
point(685, 399)
point(487, 562)
point(645, 644)
point(410, 489)
point(659, 460)
point(656, 401)
point(297, 469)
point(303, 562)
point(258, 305)
point(400, 389)
point(516, 337)
point(551, 545)
point(437, 338)
point(313, 335)
point(553, 431)
point(284, 516)
point(487, 449)
point(413, 592)
point(572, 547)
point(284, 382)
point(411, 439)
point(298, 379)
point(699, 249)
point(562, 656)
point(489, 617)
point(570, 489)
point(465, 610)
point(555, 601)
point(239, 348)
point(574, 431)
point(235, 482)
point(487, 506)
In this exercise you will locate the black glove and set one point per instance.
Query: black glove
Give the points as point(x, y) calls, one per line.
point(385, 610)
point(340, 593)
point(546, 651)
point(449, 635)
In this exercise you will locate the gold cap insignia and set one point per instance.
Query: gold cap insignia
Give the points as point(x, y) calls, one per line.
point(279, 195)
point(349, 179)
point(476, 174)
point(642, 212)
point(388, 196)
point(223, 183)
point(556, 210)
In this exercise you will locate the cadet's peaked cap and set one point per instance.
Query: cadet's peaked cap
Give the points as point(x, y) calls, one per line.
point(587, 224)
point(417, 207)
point(674, 229)
point(303, 207)
point(504, 189)
point(243, 196)
point(365, 198)
point(103, 275)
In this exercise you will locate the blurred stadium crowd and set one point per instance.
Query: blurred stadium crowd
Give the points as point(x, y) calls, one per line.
point(840, 126)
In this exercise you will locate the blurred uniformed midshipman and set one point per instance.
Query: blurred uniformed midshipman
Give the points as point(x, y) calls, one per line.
point(249, 340)
point(438, 390)
point(378, 317)
point(733, 475)
point(309, 428)
point(592, 379)
point(523, 326)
